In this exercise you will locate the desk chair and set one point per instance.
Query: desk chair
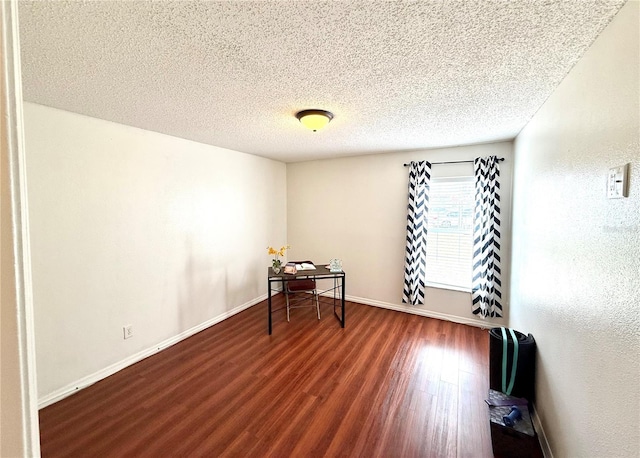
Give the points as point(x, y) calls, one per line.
point(303, 285)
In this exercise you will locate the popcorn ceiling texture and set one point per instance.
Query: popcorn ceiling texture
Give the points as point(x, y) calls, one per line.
point(397, 75)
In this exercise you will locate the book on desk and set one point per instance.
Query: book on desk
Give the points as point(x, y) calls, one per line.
point(294, 266)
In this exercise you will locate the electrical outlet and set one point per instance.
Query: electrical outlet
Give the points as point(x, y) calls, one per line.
point(128, 331)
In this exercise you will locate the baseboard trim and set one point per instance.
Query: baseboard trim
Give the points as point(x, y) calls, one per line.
point(542, 437)
point(112, 369)
point(421, 312)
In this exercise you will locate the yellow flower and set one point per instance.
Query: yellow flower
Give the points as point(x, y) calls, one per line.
point(272, 251)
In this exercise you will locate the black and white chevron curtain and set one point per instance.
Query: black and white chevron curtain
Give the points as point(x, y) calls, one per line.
point(486, 283)
point(416, 251)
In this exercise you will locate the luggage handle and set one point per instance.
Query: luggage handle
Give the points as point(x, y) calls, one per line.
point(507, 389)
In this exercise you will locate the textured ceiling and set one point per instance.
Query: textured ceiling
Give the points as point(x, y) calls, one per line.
point(397, 75)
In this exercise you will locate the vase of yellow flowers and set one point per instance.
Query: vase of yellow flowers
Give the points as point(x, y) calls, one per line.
point(276, 263)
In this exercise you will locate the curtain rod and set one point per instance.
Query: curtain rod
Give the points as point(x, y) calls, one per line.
point(500, 159)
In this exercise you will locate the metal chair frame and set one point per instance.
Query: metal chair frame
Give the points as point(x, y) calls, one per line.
point(292, 291)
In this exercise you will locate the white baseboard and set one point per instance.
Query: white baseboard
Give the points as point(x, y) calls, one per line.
point(422, 312)
point(112, 369)
point(542, 437)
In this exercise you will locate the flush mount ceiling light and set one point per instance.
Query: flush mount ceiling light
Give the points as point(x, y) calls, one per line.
point(314, 119)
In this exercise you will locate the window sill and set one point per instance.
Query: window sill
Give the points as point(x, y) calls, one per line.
point(449, 287)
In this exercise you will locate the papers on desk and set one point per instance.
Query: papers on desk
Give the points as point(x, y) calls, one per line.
point(305, 266)
point(294, 267)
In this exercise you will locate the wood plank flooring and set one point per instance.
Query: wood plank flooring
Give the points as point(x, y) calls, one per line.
point(389, 384)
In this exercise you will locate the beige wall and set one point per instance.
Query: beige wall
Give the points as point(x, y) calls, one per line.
point(355, 209)
point(576, 254)
point(134, 227)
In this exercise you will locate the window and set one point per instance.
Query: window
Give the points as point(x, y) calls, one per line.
point(450, 233)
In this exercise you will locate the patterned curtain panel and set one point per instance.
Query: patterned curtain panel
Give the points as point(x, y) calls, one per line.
point(486, 284)
point(414, 264)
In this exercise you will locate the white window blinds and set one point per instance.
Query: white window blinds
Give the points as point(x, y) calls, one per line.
point(450, 233)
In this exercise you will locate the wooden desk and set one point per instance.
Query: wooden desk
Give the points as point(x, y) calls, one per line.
point(321, 272)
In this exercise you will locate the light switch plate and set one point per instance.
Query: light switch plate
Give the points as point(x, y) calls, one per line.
point(617, 182)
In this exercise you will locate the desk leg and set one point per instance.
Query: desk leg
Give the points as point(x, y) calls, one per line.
point(342, 321)
point(269, 293)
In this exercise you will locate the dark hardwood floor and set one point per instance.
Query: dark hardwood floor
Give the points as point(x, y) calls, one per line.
point(389, 384)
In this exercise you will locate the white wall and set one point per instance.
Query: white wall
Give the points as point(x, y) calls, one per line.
point(134, 227)
point(576, 254)
point(355, 209)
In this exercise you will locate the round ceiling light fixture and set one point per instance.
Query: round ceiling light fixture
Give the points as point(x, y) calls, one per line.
point(314, 119)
